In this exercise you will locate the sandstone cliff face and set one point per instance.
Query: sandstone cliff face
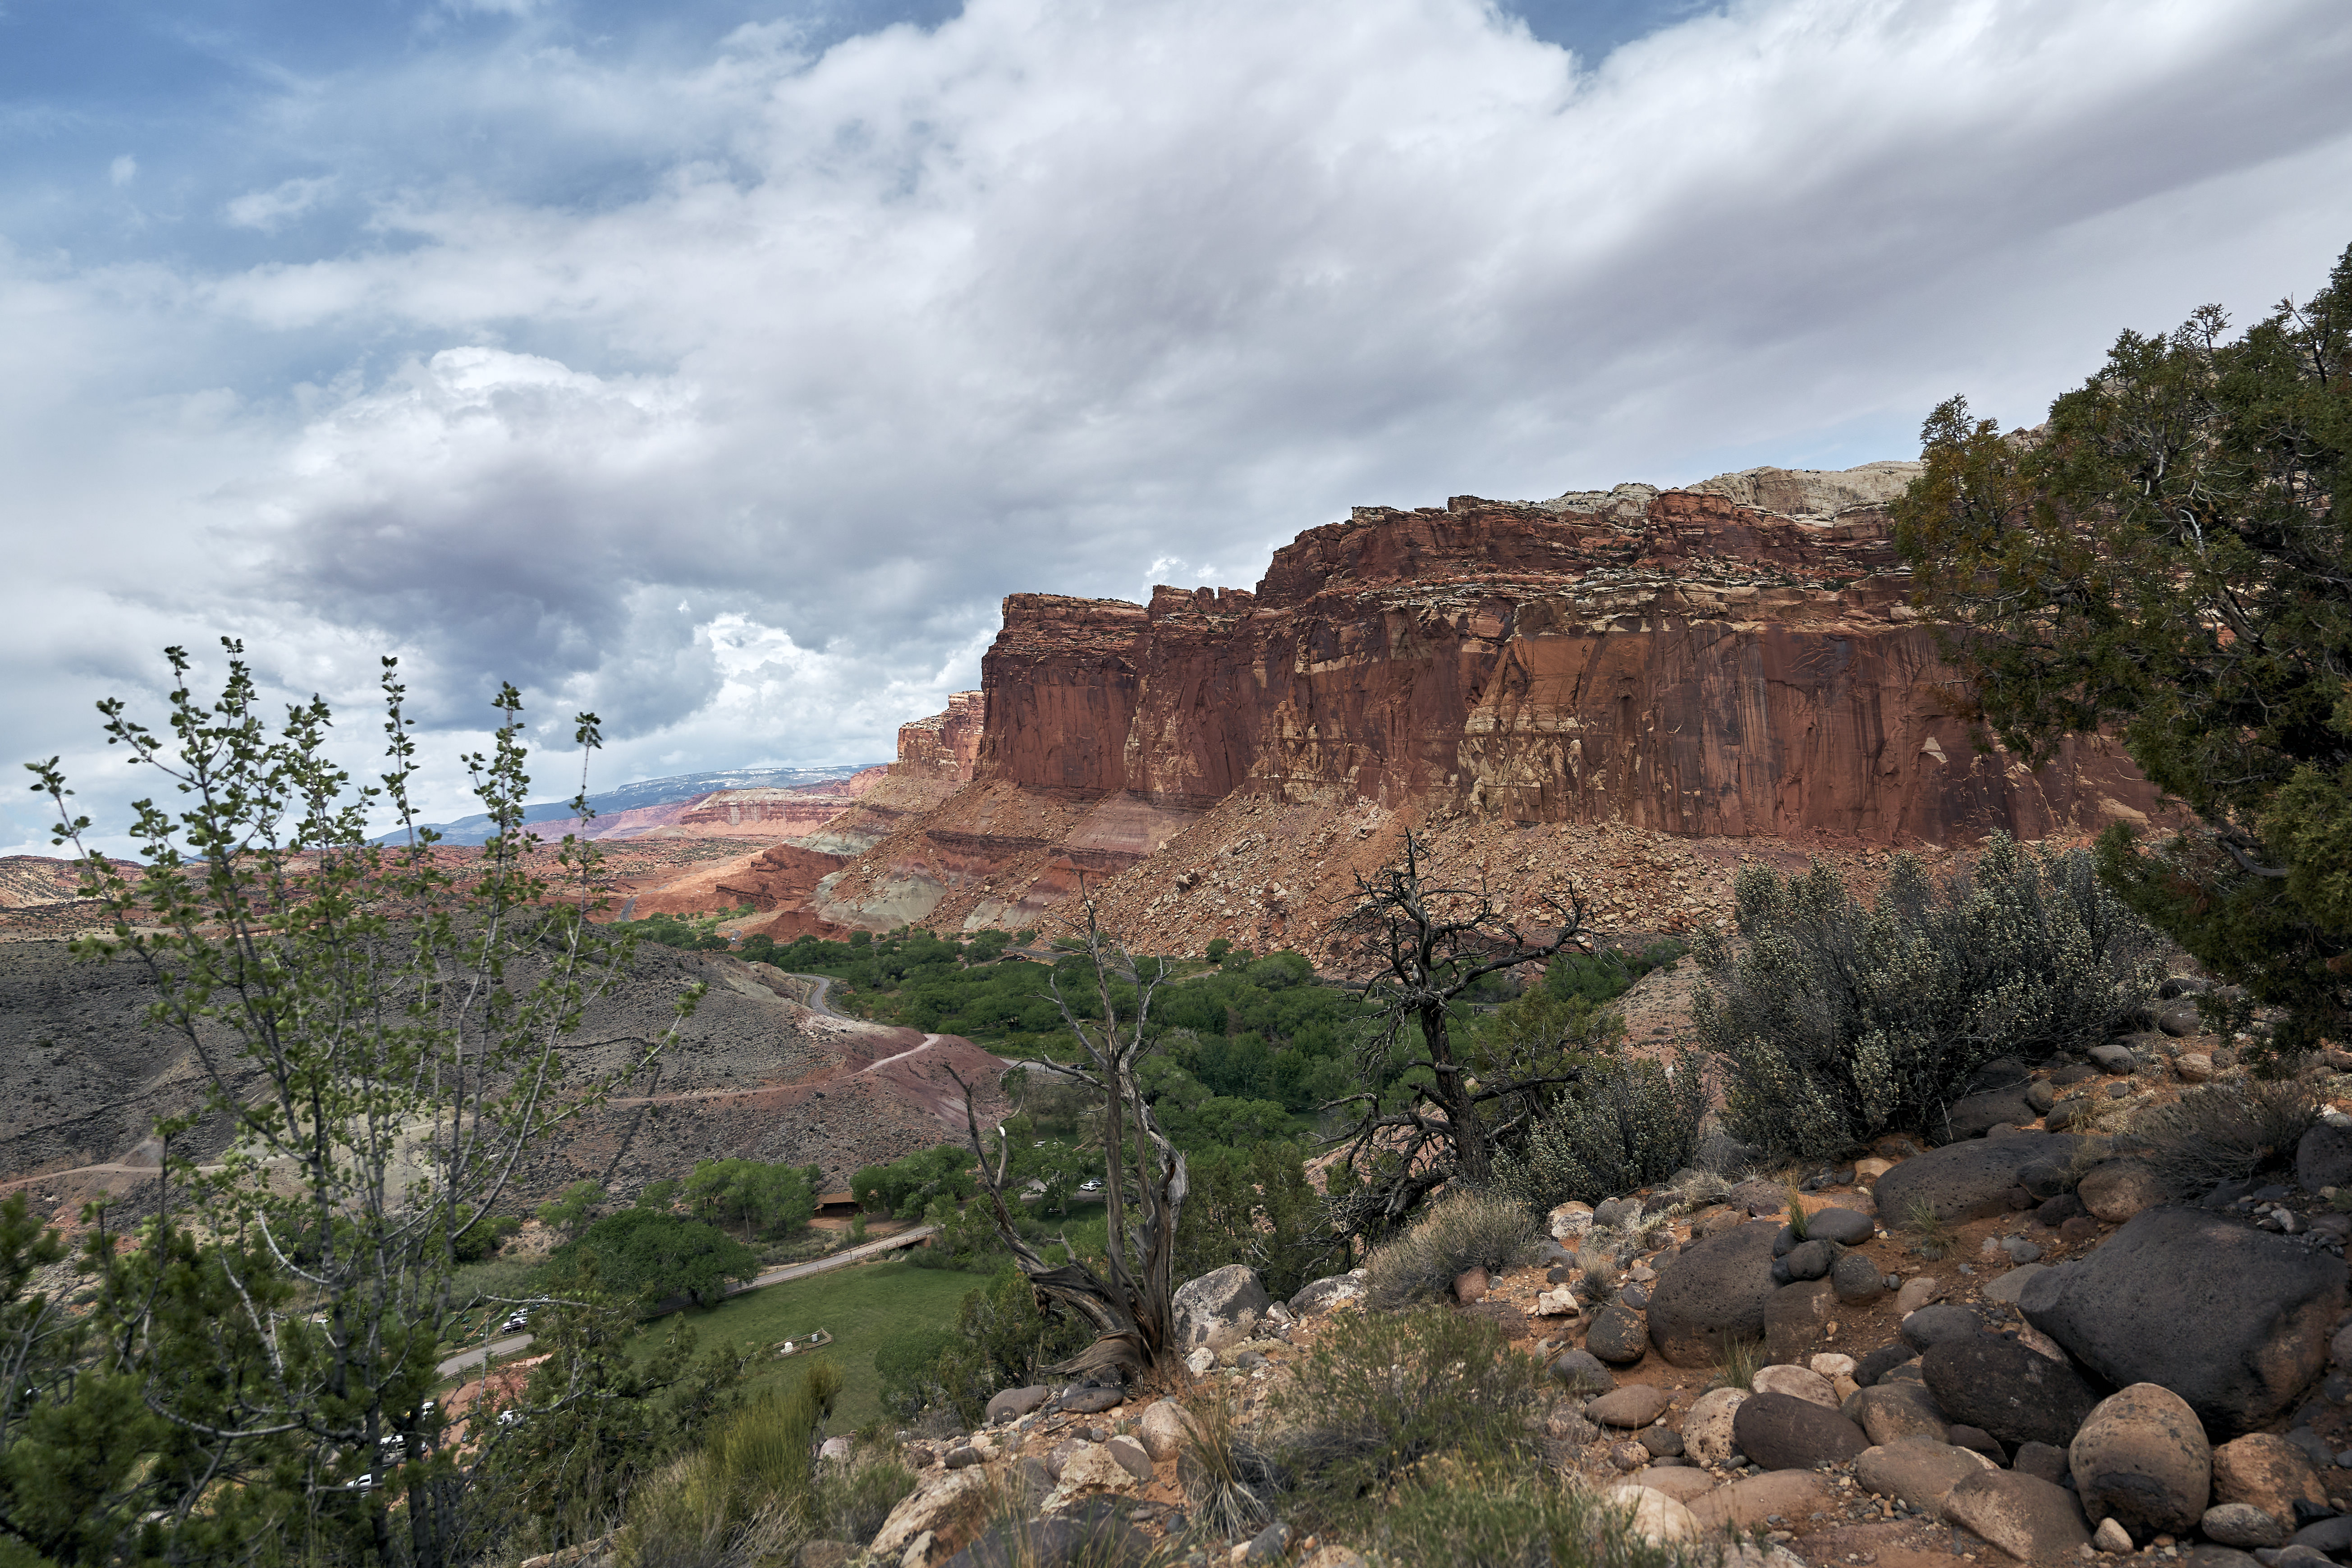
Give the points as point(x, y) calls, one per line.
point(1734, 664)
point(945, 745)
point(1707, 669)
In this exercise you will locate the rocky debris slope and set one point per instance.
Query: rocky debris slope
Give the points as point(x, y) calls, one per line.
point(1685, 666)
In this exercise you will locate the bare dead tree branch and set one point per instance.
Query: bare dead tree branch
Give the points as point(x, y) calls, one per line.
point(1132, 1310)
point(1430, 944)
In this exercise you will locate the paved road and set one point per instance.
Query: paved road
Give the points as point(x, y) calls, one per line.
point(824, 983)
point(475, 1357)
point(858, 1254)
point(515, 1343)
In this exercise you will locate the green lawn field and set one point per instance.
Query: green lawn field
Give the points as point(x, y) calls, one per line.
point(862, 1306)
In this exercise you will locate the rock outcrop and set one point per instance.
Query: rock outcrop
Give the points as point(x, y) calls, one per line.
point(1735, 661)
point(945, 744)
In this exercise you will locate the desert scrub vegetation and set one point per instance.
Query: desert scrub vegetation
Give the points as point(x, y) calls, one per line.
point(1931, 1238)
point(2222, 1132)
point(1737, 1361)
point(1488, 1515)
point(1231, 1482)
point(1836, 1020)
point(1633, 1123)
point(1382, 1394)
point(1460, 1231)
point(751, 1493)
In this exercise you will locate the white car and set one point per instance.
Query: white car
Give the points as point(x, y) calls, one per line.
point(1089, 1185)
point(517, 1322)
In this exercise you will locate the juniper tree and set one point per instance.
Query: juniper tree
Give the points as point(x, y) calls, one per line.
point(2167, 558)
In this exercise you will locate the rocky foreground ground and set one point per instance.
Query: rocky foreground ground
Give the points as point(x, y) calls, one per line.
point(2011, 1348)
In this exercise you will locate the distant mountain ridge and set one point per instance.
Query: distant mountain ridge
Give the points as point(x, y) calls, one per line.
point(476, 829)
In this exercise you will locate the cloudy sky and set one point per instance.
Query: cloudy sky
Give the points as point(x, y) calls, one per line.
point(720, 364)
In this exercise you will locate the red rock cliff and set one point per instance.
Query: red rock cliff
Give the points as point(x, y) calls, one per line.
point(1674, 661)
point(947, 743)
point(1631, 689)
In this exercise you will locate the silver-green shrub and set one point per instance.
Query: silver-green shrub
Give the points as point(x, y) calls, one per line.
point(1632, 1123)
point(1837, 1020)
point(1462, 1230)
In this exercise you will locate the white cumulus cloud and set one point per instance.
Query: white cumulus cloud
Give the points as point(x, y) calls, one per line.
point(743, 449)
point(282, 202)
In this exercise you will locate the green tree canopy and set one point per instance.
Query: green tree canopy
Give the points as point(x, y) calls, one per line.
point(379, 1020)
point(2167, 559)
point(649, 1256)
point(569, 1212)
point(759, 1198)
point(906, 1186)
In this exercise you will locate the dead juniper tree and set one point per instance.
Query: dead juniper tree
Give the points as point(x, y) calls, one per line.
point(1132, 1310)
point(1429, 946)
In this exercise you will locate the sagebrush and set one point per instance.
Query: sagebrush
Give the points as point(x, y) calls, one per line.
point(1380, 1393)
point(1632, 1123)
point(1461, 1231)
point(1837, 1020)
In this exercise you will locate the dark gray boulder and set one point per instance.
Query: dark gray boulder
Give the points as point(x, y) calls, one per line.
point(1717, 1290)
point(1757, 1197)
point(1008, 1404)
point(1581, 1372)
point(1782, 1432)
point(2235, 1321)
point(1797, 1321)
point(1856, 1280)
point(1975, 1115)
point(1811, 1259)
point(2017, 1394)
point(2323, 1158)
point(1617, 1211)
point(1882, 1361)
point(2041, 1460)
point(1847, 1228)
point(1933, 1325)
point(1966, 1181)
point(1090, 1399)
point(1618, 1335)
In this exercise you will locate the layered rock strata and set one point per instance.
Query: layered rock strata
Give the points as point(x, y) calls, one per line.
point(1683, 666)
